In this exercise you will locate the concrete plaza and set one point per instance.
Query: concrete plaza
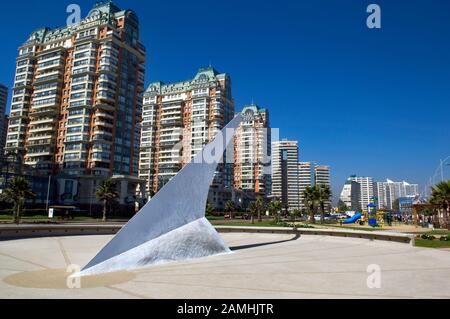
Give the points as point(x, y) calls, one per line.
point(261, 266)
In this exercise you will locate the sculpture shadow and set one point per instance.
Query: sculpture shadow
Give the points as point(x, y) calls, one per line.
point(236, 248)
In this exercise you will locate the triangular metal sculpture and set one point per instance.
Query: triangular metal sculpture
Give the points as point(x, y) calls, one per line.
point(172, 225)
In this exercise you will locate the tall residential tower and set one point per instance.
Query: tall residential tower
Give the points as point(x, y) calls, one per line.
point(253, 151)
point(285, 177)
point(78, 96)
point(77, 99)
point(179, 119)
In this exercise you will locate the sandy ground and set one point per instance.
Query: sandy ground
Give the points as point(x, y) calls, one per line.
point(261, 266)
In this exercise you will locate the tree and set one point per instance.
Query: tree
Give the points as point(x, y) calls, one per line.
point(295, 214)
point(17, 193)
point(342, 207)
point(310, 200)
point(259, 207)
point(440, 196)
point(209, 210)
point(230, 207)
point(107, 192)
point(324, 196)
point(253, 209)
point(275, 207)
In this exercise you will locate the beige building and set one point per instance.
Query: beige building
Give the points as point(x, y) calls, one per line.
point(77, 98)
point(178, 120)
point(252, 152)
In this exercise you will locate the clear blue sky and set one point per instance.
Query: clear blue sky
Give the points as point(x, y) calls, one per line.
point(367, 102)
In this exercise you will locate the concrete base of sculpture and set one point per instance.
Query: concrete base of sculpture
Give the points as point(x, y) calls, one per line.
point(194, 240)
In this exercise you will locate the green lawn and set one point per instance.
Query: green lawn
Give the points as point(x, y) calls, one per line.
point(432, 243)
point(42, 218)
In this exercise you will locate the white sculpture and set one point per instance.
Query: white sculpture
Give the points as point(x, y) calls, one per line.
point(172, 226)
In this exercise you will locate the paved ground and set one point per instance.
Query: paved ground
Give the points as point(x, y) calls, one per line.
point(309, 267)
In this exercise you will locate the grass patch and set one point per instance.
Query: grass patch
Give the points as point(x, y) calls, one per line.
point(432, 243)
point(439, 232)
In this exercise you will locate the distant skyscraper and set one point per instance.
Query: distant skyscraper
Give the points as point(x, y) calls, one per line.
point(351, 195)
point(253, 151)
point(305, 179)
point(367, 195)
point(388, 192)
point(3, 117)
point(322, 177)
point(179, 119)
point(285, 177)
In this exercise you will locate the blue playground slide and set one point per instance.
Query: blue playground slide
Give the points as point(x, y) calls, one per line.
point(352, 220)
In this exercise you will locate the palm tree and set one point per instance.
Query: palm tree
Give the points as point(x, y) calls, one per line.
point(253, 209)
point(106, 193)
point(440, 196)
point(310, 199)
point(275, 207)
point(17, 193)
point(324, 196)
point(230, 207)
point(259, 207)
point(209, 210)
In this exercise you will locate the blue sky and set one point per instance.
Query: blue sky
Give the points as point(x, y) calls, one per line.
point(367, 102)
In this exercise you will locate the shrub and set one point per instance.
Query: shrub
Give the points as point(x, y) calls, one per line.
point(445, 238)
point(429, 237)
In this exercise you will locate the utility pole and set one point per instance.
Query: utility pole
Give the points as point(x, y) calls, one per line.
point(442, 171)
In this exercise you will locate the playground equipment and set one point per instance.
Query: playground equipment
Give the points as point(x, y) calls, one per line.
point(353, 219)
point(372, 215)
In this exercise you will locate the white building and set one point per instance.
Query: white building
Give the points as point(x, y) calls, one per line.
point(351, 195)
point(388, 192)
point(285, 181)
point(305, 179)
point(366, 184)
point(322, 177)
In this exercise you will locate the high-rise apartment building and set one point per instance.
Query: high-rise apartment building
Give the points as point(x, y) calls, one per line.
point(305, 179)
point(322, 177)
point(252, 153)
point(3, 117)
point(285, 177)
point(77, 98)
point(388, 192)
point(366, 190)
point(351, 195)
point(77, 95)
point(179, 119)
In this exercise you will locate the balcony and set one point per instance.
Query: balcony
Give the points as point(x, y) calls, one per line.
point(41, 128)
point(42, 112)
point(39, 142)
point(103, 122)
point(40, 136)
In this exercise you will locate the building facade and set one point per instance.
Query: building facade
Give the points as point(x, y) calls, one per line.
point(285, 177)
point(305, 179)
point(179, 119)
point(252, 152)
point(351, 195)
point(77, 99)
point(388, 192)
point(322, 177)
point(3, 117)
point(366, 190)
